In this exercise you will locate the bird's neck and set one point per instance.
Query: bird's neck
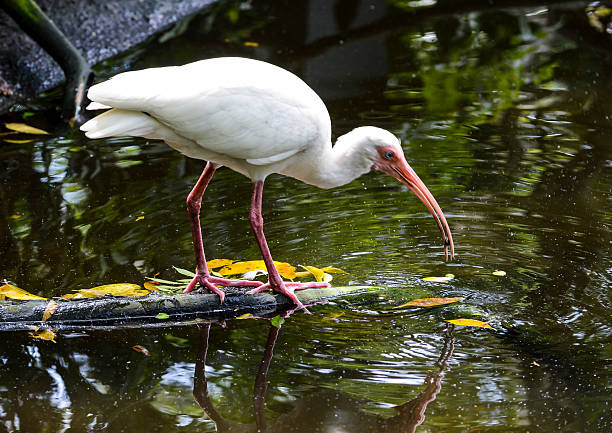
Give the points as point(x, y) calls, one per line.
point(328, 167)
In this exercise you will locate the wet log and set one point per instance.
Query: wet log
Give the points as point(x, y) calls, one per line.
point(113, 312)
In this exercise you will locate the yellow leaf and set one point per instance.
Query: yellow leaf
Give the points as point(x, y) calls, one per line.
point(50, 309)
point(18, 141)
point(218, 263)
point(26, 129)
point(332, 270)
point(140, 218)
point(334, 315)
point(14, 292)
point(244, 316)
point(316, 272)
point(285, 269)
point(470, 322)
point(151, 286)
point(120, 289)
point(499, 273)
point(47, 334)
point(443, 279)
point(429, 302)
point(251, 44)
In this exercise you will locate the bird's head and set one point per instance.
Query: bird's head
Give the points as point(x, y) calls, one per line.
point(383, 151)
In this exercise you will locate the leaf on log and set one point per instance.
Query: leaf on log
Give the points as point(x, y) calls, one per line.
point(285, 269)
point(14, 292)
point(49, 309)
point(120, 289)
point(46, 334)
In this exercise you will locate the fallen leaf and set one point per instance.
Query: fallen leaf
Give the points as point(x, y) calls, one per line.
point(443, 279)
point(499, 273)
point(141, 349)
point(334, 315)
point(119, 289)
point(285, 269)
point(277, 321)
point(316, 272)
point(429, 302)
point(162, 316)
point(7, 140)
point(47, 334)
point(4, 134)
point(151, 286)
point(15, 292)
point(218, 263)
point(26, 129)
point(332, 270)
point(244, 316)
point(535, 363)
point(470, 322)
point(140, 218)
point(184, 272)
point(50, 309)
point(251, 44)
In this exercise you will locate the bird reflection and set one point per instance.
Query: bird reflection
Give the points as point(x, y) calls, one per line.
point(323, 411)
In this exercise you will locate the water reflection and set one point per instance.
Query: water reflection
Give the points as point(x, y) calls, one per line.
point(325, 410)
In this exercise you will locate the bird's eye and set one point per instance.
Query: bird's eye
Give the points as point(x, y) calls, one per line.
point(389, 155)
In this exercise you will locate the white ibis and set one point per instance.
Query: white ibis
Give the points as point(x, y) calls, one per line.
point(256, 119)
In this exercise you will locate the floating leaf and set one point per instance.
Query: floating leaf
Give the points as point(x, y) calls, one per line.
point(429, 302)
point(244, 316)
point(499, 273)
point(470, 322)
point(332, 270)
point(18, 141)
point(251, 44)
point(334, 315)
point(120, 289)
point(285, 269)
point(140, 218)
point(47, 334)
point(184, 272)
point(443, 279)
point(25, 129)
point(277, 321)
point(218, 263)
point(15, 292)
point(141, 349)
point(162, 316)
point(50, 309)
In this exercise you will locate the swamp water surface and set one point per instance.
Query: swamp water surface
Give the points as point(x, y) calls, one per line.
point(505, 115)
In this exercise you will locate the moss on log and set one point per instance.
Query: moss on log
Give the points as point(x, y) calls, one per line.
point(111, 311)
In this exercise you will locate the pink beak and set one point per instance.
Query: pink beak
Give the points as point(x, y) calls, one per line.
point(400, 170)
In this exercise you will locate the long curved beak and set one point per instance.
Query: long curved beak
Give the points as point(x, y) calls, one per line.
point(405, 174)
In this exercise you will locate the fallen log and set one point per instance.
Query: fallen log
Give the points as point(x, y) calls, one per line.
point(113, 311)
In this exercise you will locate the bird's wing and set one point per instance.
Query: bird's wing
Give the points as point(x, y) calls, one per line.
point(246, 109)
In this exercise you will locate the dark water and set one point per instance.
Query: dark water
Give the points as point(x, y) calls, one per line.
point(504, 113)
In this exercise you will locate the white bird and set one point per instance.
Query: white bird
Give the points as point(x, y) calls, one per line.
point(257, 119)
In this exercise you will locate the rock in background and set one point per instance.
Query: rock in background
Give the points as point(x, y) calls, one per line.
point(98, 29)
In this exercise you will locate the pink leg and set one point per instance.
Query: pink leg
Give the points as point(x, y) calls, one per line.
point(275, 281)
point(194, 203)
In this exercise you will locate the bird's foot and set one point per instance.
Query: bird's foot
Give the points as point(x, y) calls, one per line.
point(211, 284)
point(288, 289)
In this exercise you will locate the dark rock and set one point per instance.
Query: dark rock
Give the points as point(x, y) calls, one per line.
point(98, 29)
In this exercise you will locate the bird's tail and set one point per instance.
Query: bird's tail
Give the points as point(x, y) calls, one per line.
point(117, 122)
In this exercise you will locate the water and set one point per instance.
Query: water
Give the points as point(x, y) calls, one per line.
point(505, 115)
